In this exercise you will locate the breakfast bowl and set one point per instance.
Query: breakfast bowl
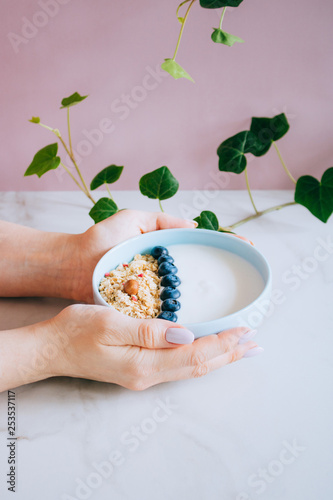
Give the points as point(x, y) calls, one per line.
point(223, 280)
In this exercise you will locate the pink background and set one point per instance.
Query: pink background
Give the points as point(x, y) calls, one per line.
point(103, 48)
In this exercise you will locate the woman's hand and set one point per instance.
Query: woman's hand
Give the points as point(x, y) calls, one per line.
point(98, 239)
point(99, 343)
point(39, 264)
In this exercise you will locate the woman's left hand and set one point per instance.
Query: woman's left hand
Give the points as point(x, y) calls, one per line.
point(98, 239)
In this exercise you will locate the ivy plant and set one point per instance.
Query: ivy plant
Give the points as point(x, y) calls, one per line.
point(170, 65)
point(160, 184)
point(207, 220)
point(316, 196)
point(47, 159)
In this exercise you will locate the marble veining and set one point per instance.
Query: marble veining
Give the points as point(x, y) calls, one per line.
point(220, 431)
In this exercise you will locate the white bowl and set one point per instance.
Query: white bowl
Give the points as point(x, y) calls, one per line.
point(251, 315)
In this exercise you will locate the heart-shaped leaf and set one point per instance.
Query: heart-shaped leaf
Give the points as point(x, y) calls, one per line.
point(44, 160)
point(103, 209)
point(232, 152)
point(73, 99)
point(35, 119)
point(159, 184)
point(108, 175)
point(217, 4)
point(175, 70)
point(316, 196)
point(207, 220)
point(268, 130)
point(219, 36)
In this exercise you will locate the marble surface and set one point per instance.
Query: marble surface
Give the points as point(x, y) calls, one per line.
point(258, 429)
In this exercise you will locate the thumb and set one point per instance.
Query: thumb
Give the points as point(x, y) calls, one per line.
point(153, 333)
point(245, 239)
point(152, 221)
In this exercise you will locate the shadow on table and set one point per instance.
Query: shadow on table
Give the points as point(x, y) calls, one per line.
point(23, 311)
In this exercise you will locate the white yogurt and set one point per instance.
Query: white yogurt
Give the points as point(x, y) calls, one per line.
point(215, 282)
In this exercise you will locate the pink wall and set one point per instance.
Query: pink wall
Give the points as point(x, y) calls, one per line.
point(104, 47)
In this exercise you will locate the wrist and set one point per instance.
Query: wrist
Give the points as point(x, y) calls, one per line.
point(67, 267)
point(80, 271)
point(63, 266)
point(38, 264)
point(26, 355)
point(57, 266)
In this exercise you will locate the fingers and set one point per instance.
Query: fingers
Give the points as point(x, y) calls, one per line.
point(196, 360)
point(203, 350)
point(152, 221)
point(202, 369)
point(148, 333)
point(245, 239)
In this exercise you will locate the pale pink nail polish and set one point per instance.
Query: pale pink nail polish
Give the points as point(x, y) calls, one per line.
point(247, 336)
point(253, 352)
point(192, 222)
point(179, 336)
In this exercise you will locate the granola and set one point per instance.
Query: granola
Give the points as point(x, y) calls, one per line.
point(146, 302)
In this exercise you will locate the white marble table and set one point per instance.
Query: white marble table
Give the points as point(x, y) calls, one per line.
point(259, 429)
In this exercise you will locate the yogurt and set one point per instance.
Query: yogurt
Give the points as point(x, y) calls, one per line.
point(214, 282)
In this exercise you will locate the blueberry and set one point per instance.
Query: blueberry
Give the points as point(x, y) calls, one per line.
point(170, 316)
point(158, 251)
point(170, 280)
point(169, 293)
point(170, 305)
point(167, 268)
point(165, 258)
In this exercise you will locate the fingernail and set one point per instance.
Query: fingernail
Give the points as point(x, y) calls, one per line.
point(179, 336)
point(253, 352)
point(247, 336)
point(192, 222)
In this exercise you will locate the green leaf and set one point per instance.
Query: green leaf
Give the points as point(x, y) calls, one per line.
point(268, 130)
point(44, 160)
point(180, 19)
point(35, 119)
point(316, 196)
point(103, 209)
point(174, 69)
point(217, 4)
point(207, 220)
point(159, 184)
point(232, 152)
point(108, 175)
point(73, 99)
point(219, 36)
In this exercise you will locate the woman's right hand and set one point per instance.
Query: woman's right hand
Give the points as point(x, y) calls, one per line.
point(99, 343)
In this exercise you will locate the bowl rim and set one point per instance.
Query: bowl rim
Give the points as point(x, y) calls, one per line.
point(239, 241)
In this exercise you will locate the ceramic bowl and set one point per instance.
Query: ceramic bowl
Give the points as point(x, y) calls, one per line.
point(251, 315)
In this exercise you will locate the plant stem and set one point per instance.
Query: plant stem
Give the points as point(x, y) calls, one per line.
point(182, 29)
point(69, 133)
point(72, 176)
point(249, 191)
point(258, 214)
point(46, 126)
point(283, 163)
point(108, 190)
point(77, 168)
point(222, 16)
point(160, 204)
point(70, 153)
point(180, 5)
